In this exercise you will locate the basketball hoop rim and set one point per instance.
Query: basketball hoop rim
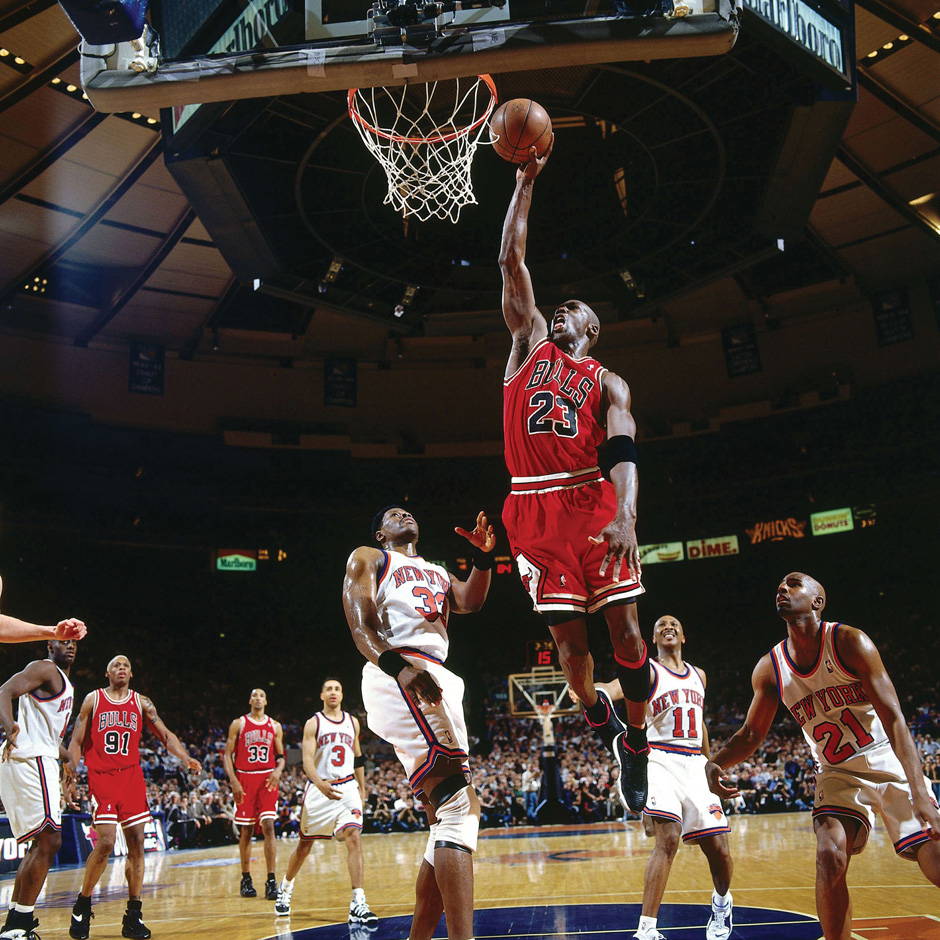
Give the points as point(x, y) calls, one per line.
point(435, 139)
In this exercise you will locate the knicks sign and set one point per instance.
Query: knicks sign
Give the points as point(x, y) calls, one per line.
point(776, 530)
point(661, 552)
point(712, 548)
point(835, 520)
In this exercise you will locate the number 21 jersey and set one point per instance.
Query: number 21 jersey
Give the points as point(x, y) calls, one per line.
point(831, 707)
point(412, 597)
point(113, 740)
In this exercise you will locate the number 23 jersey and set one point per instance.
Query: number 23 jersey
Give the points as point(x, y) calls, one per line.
point(412, 597)
point(831, 707)
point(113, 740)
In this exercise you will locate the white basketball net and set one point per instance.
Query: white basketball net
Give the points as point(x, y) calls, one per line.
point(424, 136)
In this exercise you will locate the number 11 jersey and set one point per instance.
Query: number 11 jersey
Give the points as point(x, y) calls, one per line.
point(113, 740)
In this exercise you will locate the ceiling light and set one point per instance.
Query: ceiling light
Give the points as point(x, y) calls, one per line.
point(136, 115)
point(903, 37)
point(888, 45)
point(151, 120)
point(872, 55)
point(19, 60)
point(4, 52)
point(57, 81)
point(921, 200)
point(71, 88)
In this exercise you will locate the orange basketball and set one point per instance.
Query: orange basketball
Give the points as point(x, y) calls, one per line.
point(518, 125)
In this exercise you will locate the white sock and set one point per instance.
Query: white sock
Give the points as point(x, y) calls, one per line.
point(359, 896)
point(721, 900)
point(287, 884)
point(24, 909)
point(646, 925)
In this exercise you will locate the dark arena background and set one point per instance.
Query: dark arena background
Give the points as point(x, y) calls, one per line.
point(221, 353)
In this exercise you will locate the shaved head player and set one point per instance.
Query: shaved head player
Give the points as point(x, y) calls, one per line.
point(572, 531)
point(831, 679)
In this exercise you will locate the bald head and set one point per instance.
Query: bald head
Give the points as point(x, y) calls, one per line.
point(800, 593)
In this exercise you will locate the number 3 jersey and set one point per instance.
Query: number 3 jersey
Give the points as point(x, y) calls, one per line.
point(254, 749)
point(113, 738)
point(830, 705)
point(336, 741)
point(412, 600)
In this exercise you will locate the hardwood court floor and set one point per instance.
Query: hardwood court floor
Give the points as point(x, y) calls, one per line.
point(560, 880)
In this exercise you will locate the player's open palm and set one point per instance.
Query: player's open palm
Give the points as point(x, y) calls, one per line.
point(482, 537)
point(420, 685)
point(622, 548)
point(717, 784)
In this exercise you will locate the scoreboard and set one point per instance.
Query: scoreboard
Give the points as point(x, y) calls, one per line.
point(542, 654)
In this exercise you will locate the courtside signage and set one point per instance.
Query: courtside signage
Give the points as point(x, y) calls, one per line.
point(236, 559)
point(661, 552)
point(834, 520)
point(776, 530)
point(717, 547)
point(808, 28)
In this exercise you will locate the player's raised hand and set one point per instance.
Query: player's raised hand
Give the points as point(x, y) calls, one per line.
point(716, 783)
point(12, 735)
point(622, 548)
point(330, 792)
point(193, 765)
point(482, 537)
point(925, 809)
point(421, 685)
point(535, 163)
point(70, 629)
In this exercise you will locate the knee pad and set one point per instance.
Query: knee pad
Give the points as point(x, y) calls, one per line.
point(429, 848)
point(457, 823)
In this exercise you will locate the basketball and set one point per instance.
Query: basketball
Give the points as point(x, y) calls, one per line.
point(518, 125)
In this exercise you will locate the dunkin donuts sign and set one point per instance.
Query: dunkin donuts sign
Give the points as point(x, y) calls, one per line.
point(834, 520)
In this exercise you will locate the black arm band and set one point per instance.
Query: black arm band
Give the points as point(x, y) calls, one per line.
point(619, 449)
point(482, 561)
point(359, 761)
point(392, 663)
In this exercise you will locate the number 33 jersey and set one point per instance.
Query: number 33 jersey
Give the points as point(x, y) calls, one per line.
point(113, 739)
point(829, 703)
point(412, 597)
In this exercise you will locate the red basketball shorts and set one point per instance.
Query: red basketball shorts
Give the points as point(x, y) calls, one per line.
point(558, 564)
point(120, 796)
point(258, 802)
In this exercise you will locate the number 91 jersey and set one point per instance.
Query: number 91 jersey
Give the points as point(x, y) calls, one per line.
point(113, 739)
point(412, 597)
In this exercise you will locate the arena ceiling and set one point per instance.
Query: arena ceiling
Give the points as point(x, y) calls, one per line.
point(98, 244)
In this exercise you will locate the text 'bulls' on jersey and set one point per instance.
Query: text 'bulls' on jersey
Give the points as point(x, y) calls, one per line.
point(113, 738)
point(254, 750)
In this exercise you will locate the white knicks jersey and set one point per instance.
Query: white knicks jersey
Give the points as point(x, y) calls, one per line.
point(412, 596)
point(336, 742)
point(674, 710)
point(42, 722)
point(830, 705)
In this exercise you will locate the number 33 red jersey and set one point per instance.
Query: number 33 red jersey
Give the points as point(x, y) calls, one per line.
point(254, 750)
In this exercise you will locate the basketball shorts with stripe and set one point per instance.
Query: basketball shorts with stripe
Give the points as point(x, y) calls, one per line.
point(549, 535)
point(419, 733)
point(678, 791)
point(259, 802)
point(120, 796)
point(860, 796)
point(31, 795)
point(322, 818)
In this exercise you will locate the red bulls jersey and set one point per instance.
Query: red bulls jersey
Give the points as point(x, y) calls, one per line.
point(254, 750)
point(551, 419)
point(113, 739)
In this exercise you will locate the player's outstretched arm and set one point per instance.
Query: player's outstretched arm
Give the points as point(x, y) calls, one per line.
point(80, 729)
point(522, 316)
point(362, 616)
point(861, 657)
point(228, 759)
point(308, 749)
point(13, 630)
point(468, 596)
point(748, 737)
point(40, 672)
point(169, 740)
point(620, 532)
